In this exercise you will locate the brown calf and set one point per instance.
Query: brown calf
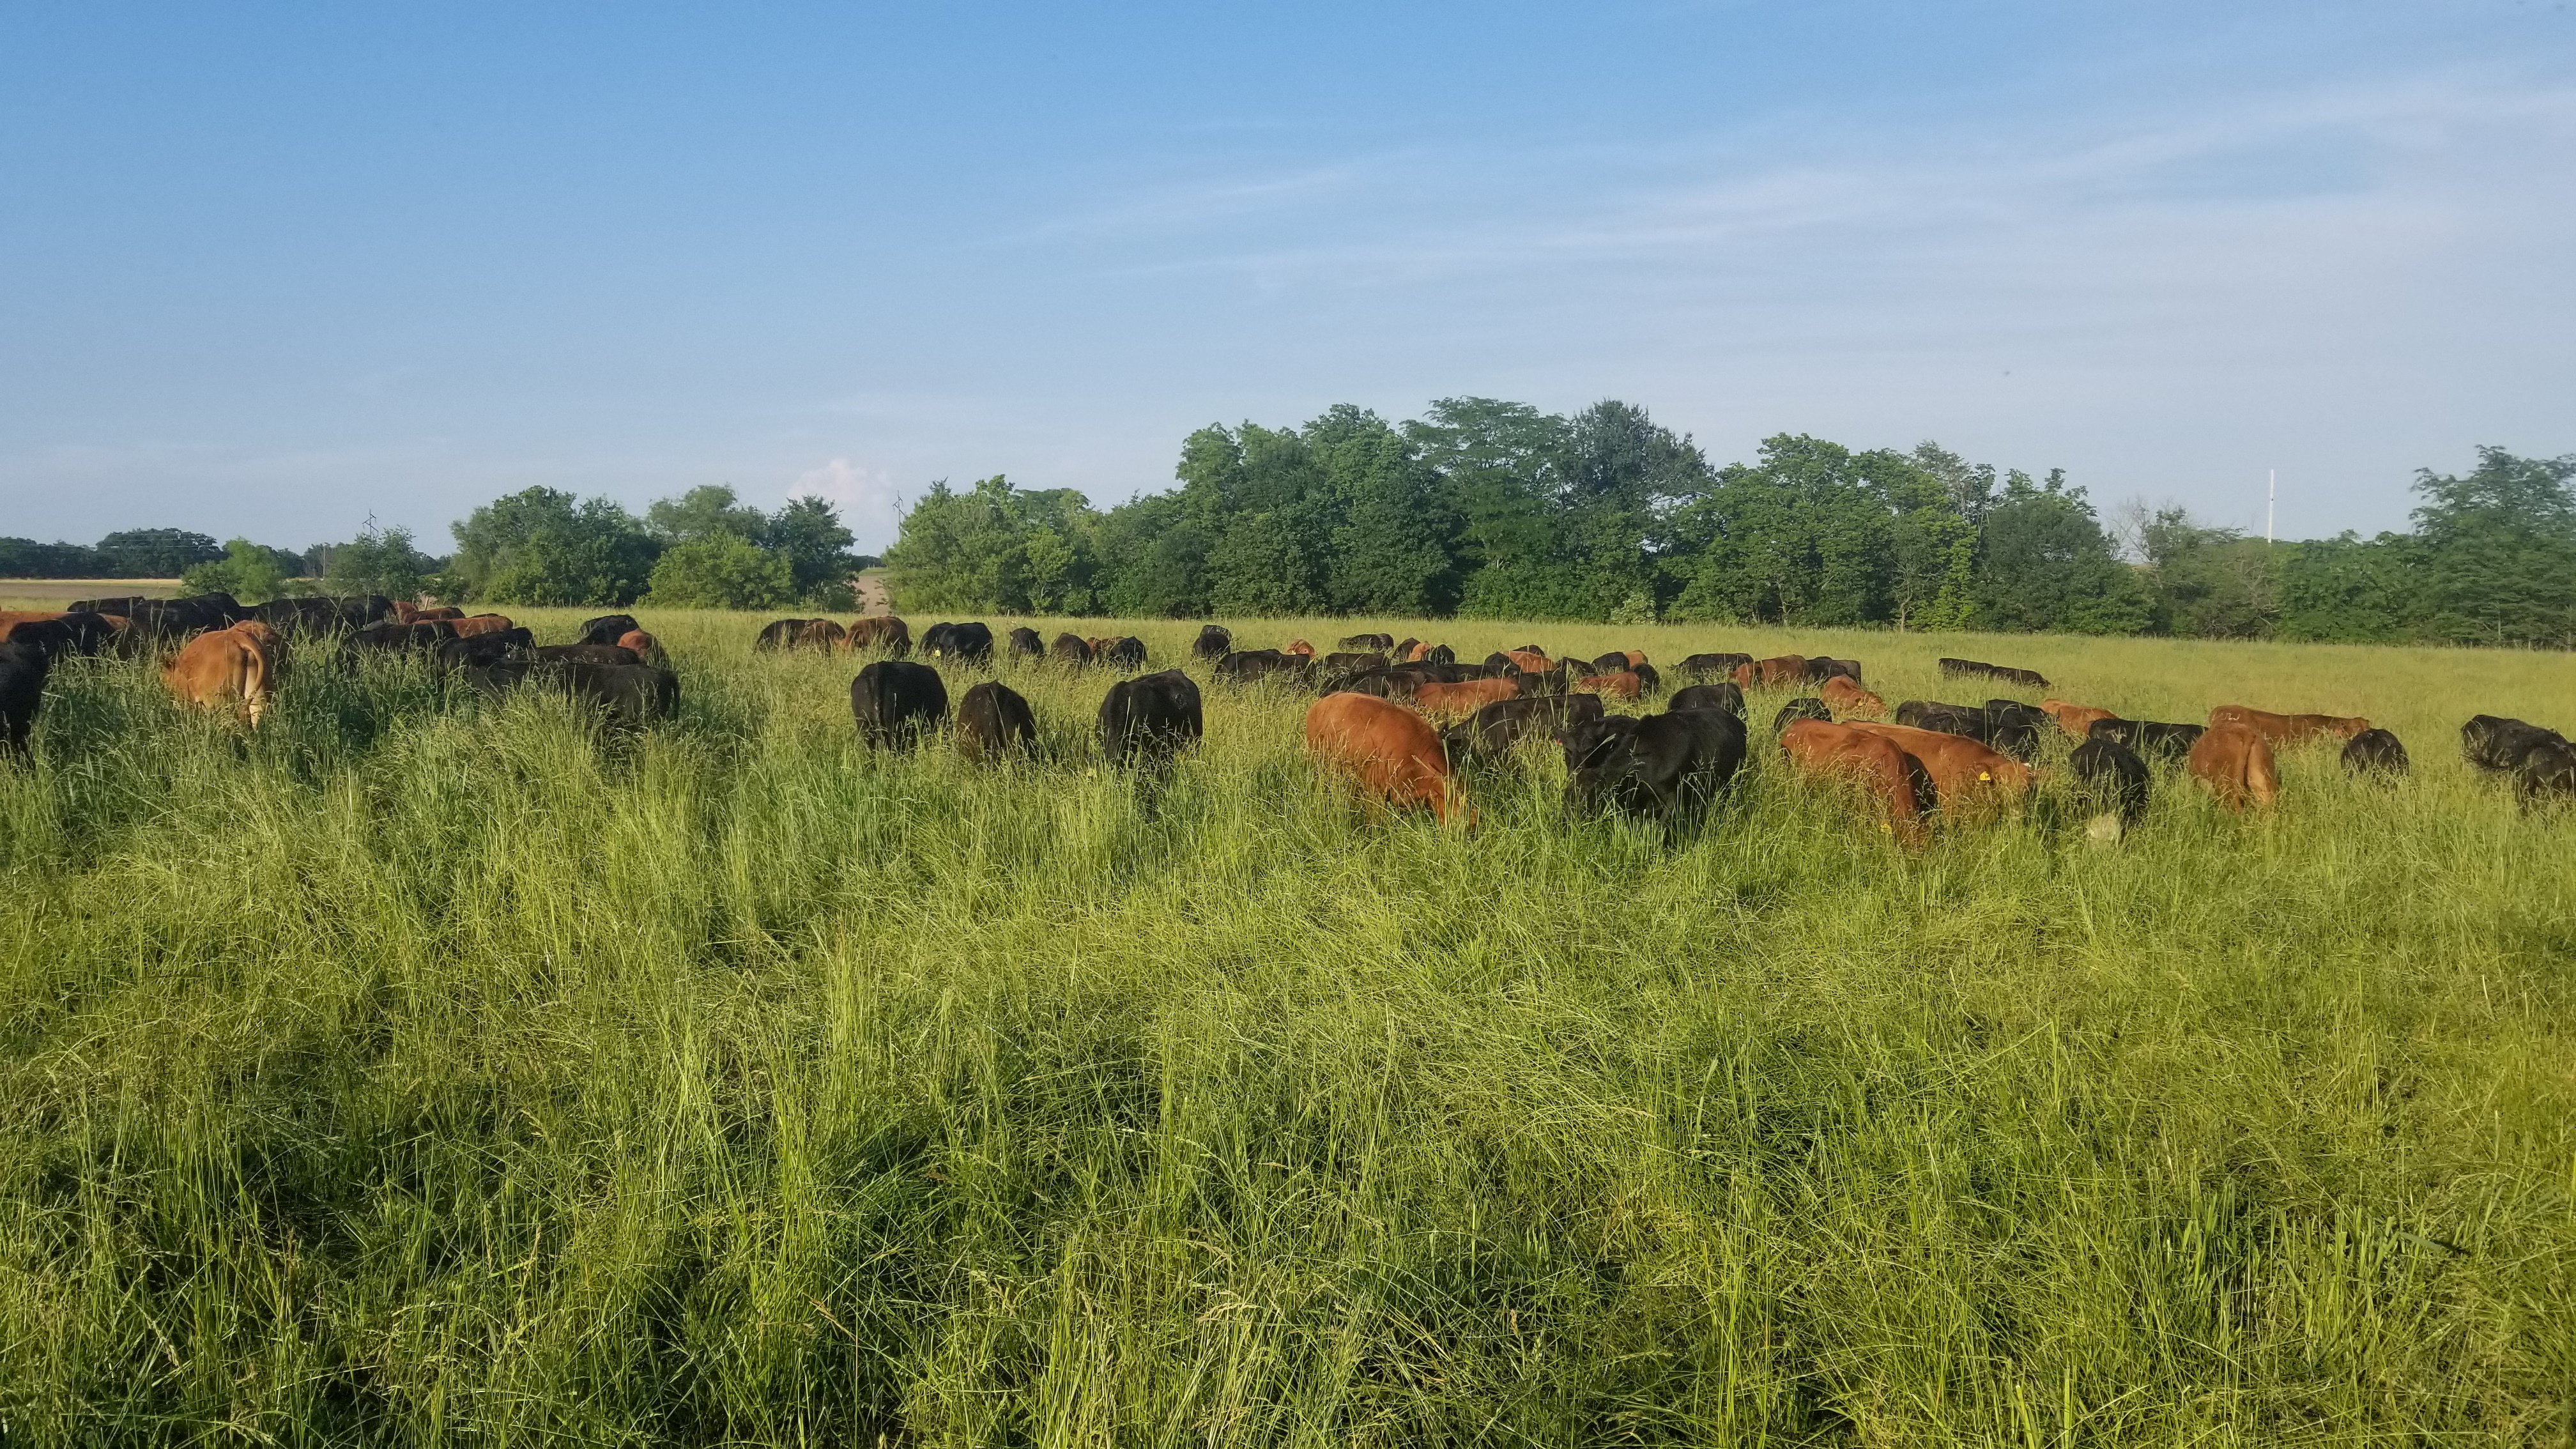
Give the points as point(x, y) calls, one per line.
point(1465, 697)
point(1772, 673)
point(2235, 763)
point(1846, 697)
point(1817, 748)
point(1393, 752)
point(237, 668)
point(1622, 685)
point(2074, 719)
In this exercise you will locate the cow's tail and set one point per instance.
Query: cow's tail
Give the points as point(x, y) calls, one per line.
point(2262, 772)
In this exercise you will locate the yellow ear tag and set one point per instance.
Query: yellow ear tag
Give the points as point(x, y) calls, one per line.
point(1982, 775)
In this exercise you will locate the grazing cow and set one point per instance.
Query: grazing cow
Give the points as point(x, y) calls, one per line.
point(1798, 709)
point(2546, 775)
point(2492, 742)
point(1145, 720)
point(2168, 742)
point(1965, 720)
point(472, 624)
point(1380, 643)
point(606, 629)
point(1494, 727)
point(1821, 669)
point(1891, 777)
point(1248, 665)
point(2235, 762)
point(2075, 719)
point(475, 650)
point(1298, 646)
point(51, 637)
point(23, 666)
point(82, 631)
point(1706, 666)
point(1025, 643)
point(237, 667)
point(2374, 752)
point(972, 642)
point(2287, 729)
point(879, 632)
point(775, 635)
point(993, 720)
point(1775, 673)
point(2013, 727)
point(609, 655)
point(1720, 696)
point(1611, 663)
point(1623, 685)
point(1126, 652)
point(646, 647)
point(121, 606)
point(1464, 697)
point(422, 637)
point(1070, 649)
point(1653, 766)
point(896, 701)
point(2114, 781)
point(628, 695)
point(1527, 661)
point(1392, 751)
point(315, 616)
point(1962, 770)
point(1214, 642)
point(823, 636)
point(1847, 697)
point(1352, 663)
point(1975, 669)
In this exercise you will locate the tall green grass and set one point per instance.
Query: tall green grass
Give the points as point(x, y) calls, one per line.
point(426, 1072)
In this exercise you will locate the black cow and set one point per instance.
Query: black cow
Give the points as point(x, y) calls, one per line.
point(1798, 709)
point(628, 694)
point(1820, 669)
point(1495, 727)
point(23, 666)
point(84, 632)
point(603, 654)
point(971, 642)
point(300, 616)
point(1127, 652)
point(2114, 780)
point(470, 650)
point(1498, 660)
point(2547, 774)
point(2014, 728)
point(421, 636)
point(1026, 642)
point(1654, 766)
point(2169, 742)
point(1720, 696)
point(1245, 666)
point(1648, 677)
point(1380, 642)
point(161, 620)
point(1214, 642)
point(121, 606)
point(1146, 719)
point(2492, 742)
point(2374, 752)
point(774, 635)
point(1610, 663)
point(1352, 663)
point(1976, 669)
point(1391, 683)
point(993, 720)
point(606, 629)
point(1070, 649)
point(1714, 665)
point(1966, 720)
point(895, 701)
point(1439, 654)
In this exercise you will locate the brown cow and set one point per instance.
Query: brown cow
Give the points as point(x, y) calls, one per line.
point(1785, 670)
point(823, 636)
point(646, 647)
point(1416, 653)
point(1962, 770)
point(468, 627)
point(1465, 697)
point(884, 631)
point(1392, 751)
point(2235, 762)
point(1298, 646)
point(1636, 657)
point(1527, 661)
point(1622, 685)
point(1848, 698)
point(2075, 719)
point(2287, 729)
point(237, 667)
point(1816, 747)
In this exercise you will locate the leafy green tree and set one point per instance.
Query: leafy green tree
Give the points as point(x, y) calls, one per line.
point(709, 510)
point(378, 561)
point(543, 546)
point(248, 571)
point(2208, 583)
point(24, 558)
point(2349, 589)
point(1620, 472)
point(810, 534)
point(154, 553)
point(2047, 565)
point(720, 570)
point(2498, 551)
point(971, 550)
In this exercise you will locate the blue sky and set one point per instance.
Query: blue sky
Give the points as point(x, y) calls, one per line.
point(275, 269)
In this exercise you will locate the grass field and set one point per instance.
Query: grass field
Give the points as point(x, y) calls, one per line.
point(424, 1072)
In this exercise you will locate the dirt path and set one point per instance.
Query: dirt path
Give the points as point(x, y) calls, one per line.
point(874, 601)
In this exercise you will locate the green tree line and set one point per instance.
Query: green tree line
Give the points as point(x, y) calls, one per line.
point(1499, 510)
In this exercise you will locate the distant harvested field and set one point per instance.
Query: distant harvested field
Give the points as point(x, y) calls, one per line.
point(422, 1071)
point(54, 593)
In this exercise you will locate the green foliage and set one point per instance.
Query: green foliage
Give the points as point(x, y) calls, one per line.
point(154, 553)
point(809, 534)
point(2498, 552)
point(2349, 589)
point(378, 561)
point(2210, 583)
point(248, 571)
point(25, 558)
point(2049, 566)
point(721, 571)
point(972, 550)
point(544, 546)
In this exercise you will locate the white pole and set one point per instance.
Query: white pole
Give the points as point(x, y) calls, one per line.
point(2271, 499)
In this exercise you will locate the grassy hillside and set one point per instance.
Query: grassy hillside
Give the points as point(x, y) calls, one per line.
point(426, 1072)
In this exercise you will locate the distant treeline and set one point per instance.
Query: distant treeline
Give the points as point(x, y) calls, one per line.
point(1498, 510)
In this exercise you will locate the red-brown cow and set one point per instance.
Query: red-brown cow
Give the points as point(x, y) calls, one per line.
point(1846, 697)
point(237, 668)
point(1464, 697)
point(1393, 752)
point(1818, 748)
point(1623, 685)
point(2234, 762)
point(2287, 729)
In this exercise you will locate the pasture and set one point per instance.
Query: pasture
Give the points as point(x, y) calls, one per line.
point(428, 1071)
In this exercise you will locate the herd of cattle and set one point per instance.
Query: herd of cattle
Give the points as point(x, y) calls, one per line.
point(1406, 718)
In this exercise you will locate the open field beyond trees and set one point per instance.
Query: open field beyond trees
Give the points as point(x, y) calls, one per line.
point(429, 1071)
